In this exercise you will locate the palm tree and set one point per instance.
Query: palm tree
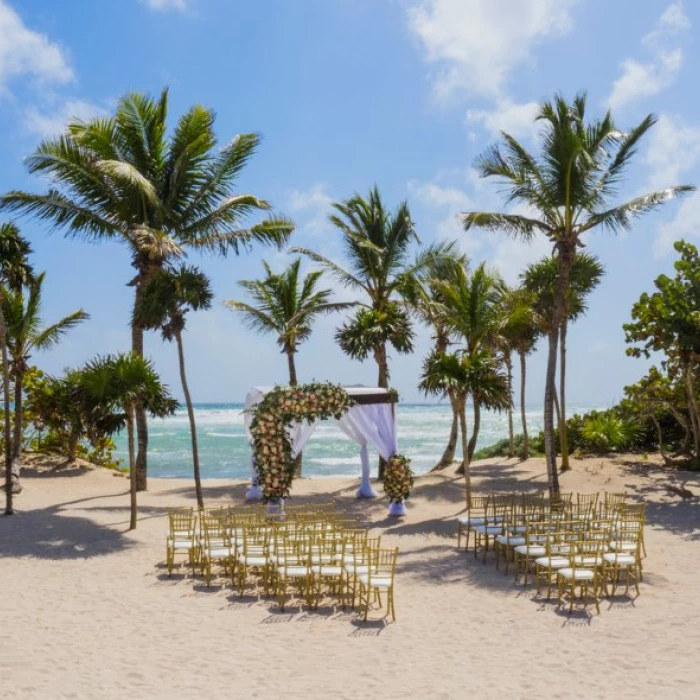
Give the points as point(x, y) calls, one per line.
point(167, 298)
point(421, 294)
point(471, 303)
point(287, 305)
point(377, 245)
point(540, 279)
point(15, 271)
point(119, 384)
point(519, 329)
point(460, 375)
point(568, 187)
point(131, 179)
point(25, 335)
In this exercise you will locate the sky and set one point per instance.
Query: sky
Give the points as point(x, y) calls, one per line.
point(404, 94)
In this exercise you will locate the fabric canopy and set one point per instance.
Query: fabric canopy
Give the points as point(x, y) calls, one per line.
point(370, 421)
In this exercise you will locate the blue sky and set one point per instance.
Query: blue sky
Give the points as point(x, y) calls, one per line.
point(348, 93)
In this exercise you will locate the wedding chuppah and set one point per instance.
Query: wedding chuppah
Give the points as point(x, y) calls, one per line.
point(366, 415)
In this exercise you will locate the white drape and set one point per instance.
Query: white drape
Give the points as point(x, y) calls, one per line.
point(373, 424)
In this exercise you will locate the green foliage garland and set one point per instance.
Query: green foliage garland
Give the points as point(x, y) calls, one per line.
point(271, 417)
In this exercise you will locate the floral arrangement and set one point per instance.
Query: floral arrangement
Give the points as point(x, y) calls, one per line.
point(272, 450)
point(398, 478)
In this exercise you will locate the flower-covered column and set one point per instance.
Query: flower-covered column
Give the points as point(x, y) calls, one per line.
point(398, 482)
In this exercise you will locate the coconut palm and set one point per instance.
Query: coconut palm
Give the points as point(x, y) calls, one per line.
point(167, 298)
point(119, 384)
point(15, 270)
point(541, 280)
point(130, 178)
point(369, 331)
point(471, 305)
point(462, 375)
point(566, 191)
point(377, 246)
point(286, 304)
point(519, 329)
point(422, 297)
point(25, 335)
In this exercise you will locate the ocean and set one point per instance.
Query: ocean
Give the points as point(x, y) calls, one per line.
point(423, 430)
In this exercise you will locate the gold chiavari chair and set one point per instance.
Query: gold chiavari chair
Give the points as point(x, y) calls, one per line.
point(181, 537)
point(292, 565)
point(625, 558)
point(534, 547)
point(475, 515)
point(253, 558)
point(498, 511)
point(357, 562)
point(216, 547)
point(583, 574)
point(379, 579)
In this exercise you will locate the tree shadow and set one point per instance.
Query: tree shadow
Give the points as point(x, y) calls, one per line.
point(49, 533)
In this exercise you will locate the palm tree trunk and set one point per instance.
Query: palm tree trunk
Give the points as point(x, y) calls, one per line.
point(475, 430)
point(465, 449)
point(17, 442)
point(660, 437)
point(190, 415)
point(382, 382)
point(141, 420)
point(523, 376)
point(563, 434)
point(565, 257)
point(9, 476)
point(448, 456)
point(557, 410)
point(509, 367)
point(132, 466)
point(293, 382)
point(692, 409)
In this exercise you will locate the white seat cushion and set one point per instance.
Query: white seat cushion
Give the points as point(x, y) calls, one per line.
point(294, 571)
point(577, 574)
point(217, 552)
point(620, 559)
point(623, 546)
point(181, 544)
point(472, 520)
point(533, 550)
point(553, 562)
point(377, 581)
point(488, 529)
point(253, 561)
point(512, 540)
point(359, 569)
point(327, 570)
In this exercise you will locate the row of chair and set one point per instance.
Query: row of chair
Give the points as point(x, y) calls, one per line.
point(585, 544)
point(313, 551)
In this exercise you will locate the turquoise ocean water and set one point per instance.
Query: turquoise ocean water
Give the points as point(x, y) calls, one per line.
point(225, 453)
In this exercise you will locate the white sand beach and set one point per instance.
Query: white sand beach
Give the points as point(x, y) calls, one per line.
point(88, 610)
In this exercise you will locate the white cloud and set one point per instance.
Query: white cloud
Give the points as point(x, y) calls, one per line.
point(49, 123)
point(686, 224)
point(512, 256)
point(673, 152)
point(516, 119)
point(673, 156)
point(165, 5)
point(639, 80)
point(476, 43)
point(313, 207)
point(24, 52)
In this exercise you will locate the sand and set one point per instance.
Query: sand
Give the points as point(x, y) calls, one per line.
point(87, 610)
